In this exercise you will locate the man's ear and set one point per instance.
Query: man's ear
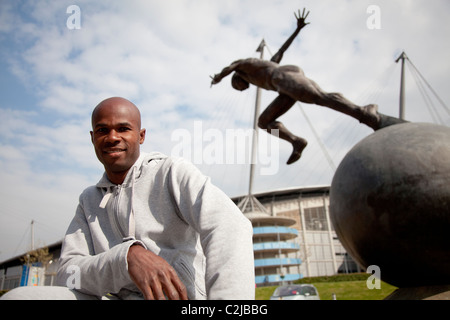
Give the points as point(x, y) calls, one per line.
point(142, 136)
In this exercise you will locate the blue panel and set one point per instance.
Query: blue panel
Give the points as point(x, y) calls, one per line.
point(271, 230)
point(277, 278)
point(275, 245)
point(24, 277)
point(277, 262)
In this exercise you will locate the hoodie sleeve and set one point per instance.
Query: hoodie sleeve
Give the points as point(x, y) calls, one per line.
point(225, 233)
point(80, 268)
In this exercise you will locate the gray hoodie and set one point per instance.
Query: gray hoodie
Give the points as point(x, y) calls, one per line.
point(170, 208)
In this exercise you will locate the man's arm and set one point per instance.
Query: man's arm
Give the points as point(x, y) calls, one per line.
point(300, 24)
point(225, 233)
point(115, 268)
point(98, 274)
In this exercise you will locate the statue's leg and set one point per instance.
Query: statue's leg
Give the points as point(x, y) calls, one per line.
point(336, 101)
point(302, 89)
point(368, 115)
point(267, 121)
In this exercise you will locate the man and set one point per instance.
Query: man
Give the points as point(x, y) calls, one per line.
point(292, 85)
point(153, 227)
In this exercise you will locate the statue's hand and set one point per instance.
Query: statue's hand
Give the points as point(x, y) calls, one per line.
point(216, 79)
point(301, 18)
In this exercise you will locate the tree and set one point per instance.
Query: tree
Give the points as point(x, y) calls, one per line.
point(40, 255)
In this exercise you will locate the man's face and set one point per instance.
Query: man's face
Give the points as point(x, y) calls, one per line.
point(116, 137)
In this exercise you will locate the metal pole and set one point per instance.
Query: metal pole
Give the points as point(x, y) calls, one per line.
point(305, 243)
point(402, 86)
point(330, 236)
point(255, 123)
point(32, 234)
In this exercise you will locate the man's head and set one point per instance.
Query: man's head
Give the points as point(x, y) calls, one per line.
point(117, 135)
point(238, 83)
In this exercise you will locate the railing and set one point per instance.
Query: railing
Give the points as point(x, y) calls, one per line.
point(275, 246)
point(274, 230)
point(277, 262)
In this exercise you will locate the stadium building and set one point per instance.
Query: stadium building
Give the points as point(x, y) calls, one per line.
point(293, 235)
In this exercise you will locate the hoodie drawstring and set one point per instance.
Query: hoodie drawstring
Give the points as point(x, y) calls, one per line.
point(131, 221)
point(106, 196)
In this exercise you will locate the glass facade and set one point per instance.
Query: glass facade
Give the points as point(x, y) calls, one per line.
point(309, 238)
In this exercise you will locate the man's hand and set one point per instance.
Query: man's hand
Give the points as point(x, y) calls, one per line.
point(301, 18)
point(154, 276)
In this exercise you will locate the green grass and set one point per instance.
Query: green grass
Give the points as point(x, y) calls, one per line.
point(344, 290)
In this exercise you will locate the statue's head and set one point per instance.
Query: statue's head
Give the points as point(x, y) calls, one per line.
point(238, 83)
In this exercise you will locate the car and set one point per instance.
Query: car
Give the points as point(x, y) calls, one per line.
point(296, 292)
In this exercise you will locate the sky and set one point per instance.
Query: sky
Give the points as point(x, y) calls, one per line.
point(59, 61)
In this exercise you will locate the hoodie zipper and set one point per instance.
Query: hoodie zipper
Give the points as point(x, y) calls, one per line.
point(116, 210)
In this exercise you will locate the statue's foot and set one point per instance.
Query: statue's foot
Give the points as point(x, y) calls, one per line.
point(386, 121)
point(298, 145)
point(371, 117)
point(376, 120)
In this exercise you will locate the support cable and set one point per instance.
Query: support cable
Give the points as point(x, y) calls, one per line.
point(446, 108)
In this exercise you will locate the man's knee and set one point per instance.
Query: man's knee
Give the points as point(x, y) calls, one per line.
point(45, 293)
point(20, 293)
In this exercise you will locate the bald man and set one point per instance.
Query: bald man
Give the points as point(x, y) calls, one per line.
point(153, 227)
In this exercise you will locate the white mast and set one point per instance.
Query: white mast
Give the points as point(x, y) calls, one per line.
point(255, 123)
point(250, 203)
point(402, 85)
point(32, 235)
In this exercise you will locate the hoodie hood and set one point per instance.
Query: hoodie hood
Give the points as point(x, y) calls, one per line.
point(135, 170)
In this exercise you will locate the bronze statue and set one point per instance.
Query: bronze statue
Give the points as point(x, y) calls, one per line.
point(292, 85)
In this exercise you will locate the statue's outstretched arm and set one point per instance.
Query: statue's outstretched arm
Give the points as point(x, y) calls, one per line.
point(225, 72)
point(301, 17)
